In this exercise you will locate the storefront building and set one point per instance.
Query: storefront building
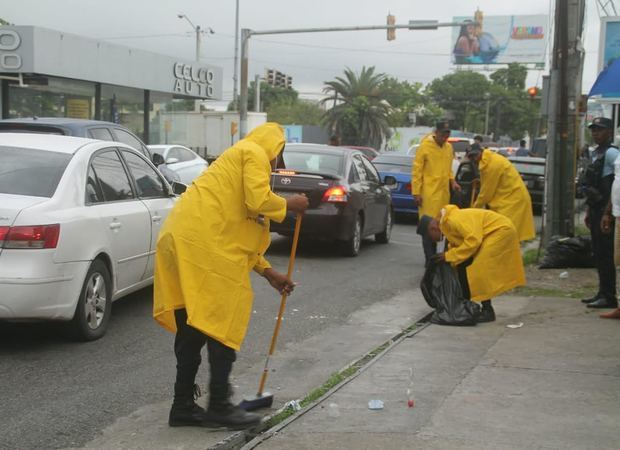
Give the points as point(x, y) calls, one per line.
point(48, 73)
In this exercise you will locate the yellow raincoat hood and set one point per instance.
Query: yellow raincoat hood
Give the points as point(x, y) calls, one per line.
point(215, 235)
point(491, 239)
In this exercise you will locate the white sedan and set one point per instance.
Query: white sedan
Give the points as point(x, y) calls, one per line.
point(181, 160)
point(79, 220)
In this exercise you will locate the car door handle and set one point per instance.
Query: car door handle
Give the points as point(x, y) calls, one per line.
point(156, 218)
point(114, 225)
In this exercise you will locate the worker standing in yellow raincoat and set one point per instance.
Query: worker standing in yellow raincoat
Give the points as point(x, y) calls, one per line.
point(432, 178)
point(484, 246)
point(215, 235)
point(503, 191)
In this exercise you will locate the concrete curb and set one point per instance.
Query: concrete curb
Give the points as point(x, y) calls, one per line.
point(249, 439)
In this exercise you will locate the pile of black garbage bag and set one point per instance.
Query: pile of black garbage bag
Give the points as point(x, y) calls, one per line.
point(568, 252)
point(442, 291)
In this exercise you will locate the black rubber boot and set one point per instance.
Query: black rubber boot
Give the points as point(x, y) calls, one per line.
point(487, 314)
point(222, 413)
point(185, 412)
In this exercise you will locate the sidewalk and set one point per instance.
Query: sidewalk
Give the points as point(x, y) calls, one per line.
point(552, 384)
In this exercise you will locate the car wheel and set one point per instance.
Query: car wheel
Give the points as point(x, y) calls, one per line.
point(352, 246)
point(94, 307)
point(384, 237)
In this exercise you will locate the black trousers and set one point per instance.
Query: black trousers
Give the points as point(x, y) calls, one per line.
point(187, 346)
point(461, 271)
point(430, 248)
point(603, 249)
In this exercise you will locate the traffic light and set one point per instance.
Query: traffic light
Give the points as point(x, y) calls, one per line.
point(233, 128)
point(391, 32)
point(533, 92)
point(271, 77)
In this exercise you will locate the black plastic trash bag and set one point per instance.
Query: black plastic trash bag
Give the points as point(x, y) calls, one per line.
point(568, 252)
point(442, 291)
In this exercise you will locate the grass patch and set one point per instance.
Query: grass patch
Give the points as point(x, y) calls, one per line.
point(582, 230)
point(528, 291)
point(530, 257)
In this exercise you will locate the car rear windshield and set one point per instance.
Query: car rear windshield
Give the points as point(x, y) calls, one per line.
point(394, 168)
point(24, 171)
point(30, 129)
point(314, 162)
point(530, 169)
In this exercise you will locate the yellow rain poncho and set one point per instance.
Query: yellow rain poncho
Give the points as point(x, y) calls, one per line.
point(502, 189)
point(492, 241)
point(431, 175)
point(214, 237)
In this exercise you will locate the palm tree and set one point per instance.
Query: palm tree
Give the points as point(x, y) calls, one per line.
point(360, 112)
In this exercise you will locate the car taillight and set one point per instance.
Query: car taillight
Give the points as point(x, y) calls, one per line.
point(3, 232)
point(336, 194)
point(31, 236)
point(408, 187)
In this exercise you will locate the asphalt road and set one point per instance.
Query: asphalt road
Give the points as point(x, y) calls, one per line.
point(56, 393)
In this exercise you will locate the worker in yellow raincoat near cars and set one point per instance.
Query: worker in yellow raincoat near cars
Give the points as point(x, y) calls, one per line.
point(502, 190)
point(484, 246)
point(215, 235)
point(432, 178)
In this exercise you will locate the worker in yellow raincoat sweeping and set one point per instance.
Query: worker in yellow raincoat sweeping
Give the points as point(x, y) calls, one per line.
point(432, 177)
point(484, 246)
point(503, 191)
point(215, 235)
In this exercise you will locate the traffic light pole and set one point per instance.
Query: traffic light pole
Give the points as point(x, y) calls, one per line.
point(246, 34)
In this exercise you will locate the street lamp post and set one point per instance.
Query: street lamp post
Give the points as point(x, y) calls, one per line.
point(198, 32)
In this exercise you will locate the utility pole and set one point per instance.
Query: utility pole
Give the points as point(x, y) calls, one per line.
point(236, 62)
point(563, 122)
point(257, 93)
point(246, 34)
point(198, 31)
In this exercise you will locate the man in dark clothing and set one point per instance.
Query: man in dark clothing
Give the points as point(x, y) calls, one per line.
point(599, 177)
point(522, 151)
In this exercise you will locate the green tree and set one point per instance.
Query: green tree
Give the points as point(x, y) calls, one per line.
point(514, 112)
point(406, 98)
point(463, 94)
point(360, 115)
point(268, 95)
point(295, 112)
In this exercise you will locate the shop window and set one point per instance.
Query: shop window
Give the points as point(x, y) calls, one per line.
point(52, 97)
point(124, 106)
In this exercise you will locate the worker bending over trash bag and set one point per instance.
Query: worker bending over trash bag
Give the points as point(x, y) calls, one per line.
point(502, 190)
point(215, 235)
point(484, 246)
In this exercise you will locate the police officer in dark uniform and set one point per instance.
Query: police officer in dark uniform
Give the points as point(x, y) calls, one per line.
point(599, 177)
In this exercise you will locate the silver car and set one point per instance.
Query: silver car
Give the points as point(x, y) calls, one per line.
point(181, 160)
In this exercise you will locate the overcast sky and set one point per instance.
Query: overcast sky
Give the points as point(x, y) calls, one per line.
point(310, 59)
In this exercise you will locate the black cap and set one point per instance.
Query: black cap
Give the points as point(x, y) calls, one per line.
point(423, 224)
point(601, 122)
point(475, 149)
point(442, 125)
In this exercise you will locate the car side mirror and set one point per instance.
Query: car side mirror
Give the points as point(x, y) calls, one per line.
point(157, 159)
point(172, 160)
point(178, 188)
point(390, 181)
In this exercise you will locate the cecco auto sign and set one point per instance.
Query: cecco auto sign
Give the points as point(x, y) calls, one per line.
point(9, 43)
point(194, 81)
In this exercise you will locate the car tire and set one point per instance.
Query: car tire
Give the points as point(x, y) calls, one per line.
point(385, 235)
point(351, 247)
point(94, 306)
